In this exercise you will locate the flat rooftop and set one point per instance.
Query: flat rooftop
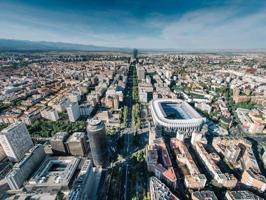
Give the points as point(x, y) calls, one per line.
point(55, 171)
point(204, 195)
point(76, 137)
point(244, 194)
point(10, 127)
point(60, 136)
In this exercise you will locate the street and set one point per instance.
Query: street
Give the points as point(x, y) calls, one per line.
point(128, 132)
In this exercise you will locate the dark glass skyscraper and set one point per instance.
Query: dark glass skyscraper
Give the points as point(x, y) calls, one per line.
point(135, 53)
point(98, 142)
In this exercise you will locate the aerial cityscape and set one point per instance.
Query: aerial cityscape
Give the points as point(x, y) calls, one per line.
point(105, 119)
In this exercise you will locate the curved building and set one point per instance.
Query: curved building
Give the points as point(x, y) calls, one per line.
point(98, 142)
point(174, 115)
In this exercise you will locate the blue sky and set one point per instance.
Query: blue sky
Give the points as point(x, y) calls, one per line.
point(178, 24)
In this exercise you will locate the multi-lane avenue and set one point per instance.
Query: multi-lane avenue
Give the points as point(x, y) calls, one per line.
point(128, 134)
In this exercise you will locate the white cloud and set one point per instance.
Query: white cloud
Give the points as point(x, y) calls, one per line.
point(217, 28)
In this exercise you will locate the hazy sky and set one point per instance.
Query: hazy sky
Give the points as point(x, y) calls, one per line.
point(179, 24)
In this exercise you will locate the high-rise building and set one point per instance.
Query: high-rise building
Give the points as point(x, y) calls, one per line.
point(22, 170)
point(77, 144)
point(86, 184)
point(16, 141)
point(135, 53)
point(58, 143)
point(73, 112)
point(98, 142)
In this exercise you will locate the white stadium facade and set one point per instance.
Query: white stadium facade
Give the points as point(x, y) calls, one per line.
point(175, 115)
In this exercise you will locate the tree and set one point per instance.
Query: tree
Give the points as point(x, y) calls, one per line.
point(45, 128)
point(125, 115)
point(60, 196)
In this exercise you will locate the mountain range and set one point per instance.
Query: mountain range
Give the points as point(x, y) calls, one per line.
point(26, 45)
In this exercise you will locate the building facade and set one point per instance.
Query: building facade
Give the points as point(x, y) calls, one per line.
point(58, 143)
point(98, 142)
point(50, 114)
point(73, 112)
point(16, 141)
point(159, 190)
point(22, 170)
point(77, 144)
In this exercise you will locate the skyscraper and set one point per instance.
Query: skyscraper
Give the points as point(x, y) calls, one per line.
point(16, 141)
point(135, 53)
point(98, 142)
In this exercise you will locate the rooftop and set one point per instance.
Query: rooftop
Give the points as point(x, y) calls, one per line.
point(161, 190)
point(77, 136)
point(204, 195)
point(10, 127)
point(59, 136)
point(55, 171)
point(95, 124)
point(170, 174)
point(243, 195)
point(175, 112)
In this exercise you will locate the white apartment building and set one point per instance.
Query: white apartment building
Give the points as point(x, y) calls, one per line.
point(73, 112)
point(50, 114)
point(16, 141)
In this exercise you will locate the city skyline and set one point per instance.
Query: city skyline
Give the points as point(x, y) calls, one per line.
point(158, 24)
point(110, 125)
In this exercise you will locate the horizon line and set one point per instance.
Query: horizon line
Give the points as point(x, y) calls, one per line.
point(145, 49)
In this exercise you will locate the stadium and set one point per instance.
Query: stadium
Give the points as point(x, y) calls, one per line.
point(175, 115)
